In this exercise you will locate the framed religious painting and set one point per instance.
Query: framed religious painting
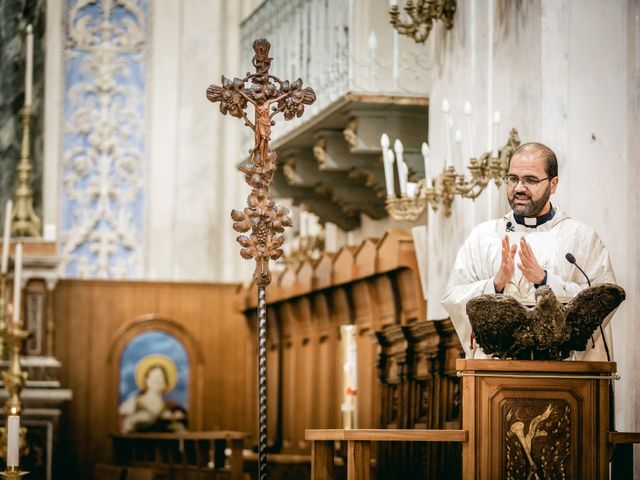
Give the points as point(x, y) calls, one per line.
point(154, 384)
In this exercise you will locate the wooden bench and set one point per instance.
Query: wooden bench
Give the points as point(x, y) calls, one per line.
point(359, 447)
point(183, 455)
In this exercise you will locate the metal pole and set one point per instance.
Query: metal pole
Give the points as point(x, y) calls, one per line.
point(262, 384)
point(262, 222)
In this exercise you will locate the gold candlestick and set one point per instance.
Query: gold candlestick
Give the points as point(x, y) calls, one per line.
point(3, 311)
point(13, 473)
point(25, 222)
point(14, 379)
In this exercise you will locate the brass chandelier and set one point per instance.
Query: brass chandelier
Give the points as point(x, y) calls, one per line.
point(421, 16)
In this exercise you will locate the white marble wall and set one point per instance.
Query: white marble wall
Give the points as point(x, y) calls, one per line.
point(194, 148)
point(566, 73)
point(191, 181)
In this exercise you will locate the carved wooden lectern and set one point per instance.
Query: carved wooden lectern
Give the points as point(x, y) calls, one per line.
point(535, 419)
point(521, 419)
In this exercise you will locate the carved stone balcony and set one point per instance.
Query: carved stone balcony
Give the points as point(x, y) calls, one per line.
point(368, 80)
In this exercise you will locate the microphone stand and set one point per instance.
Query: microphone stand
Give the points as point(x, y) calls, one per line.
point(612, 411)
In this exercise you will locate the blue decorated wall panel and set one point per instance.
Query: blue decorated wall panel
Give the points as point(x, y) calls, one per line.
point(104, 147)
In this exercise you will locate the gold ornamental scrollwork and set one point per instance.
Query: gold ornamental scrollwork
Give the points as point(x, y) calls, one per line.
point(443, 189)
point(350, 133)
point(320, 152)
point(421, 16)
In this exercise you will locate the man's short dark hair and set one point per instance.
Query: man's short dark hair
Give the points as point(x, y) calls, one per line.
point(551, 162)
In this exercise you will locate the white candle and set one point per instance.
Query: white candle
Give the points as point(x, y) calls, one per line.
point(392, 159)
point(28, 77)
point(6, 237)
point(496, 126)
point(412, 187)
point(457, 138)
point(17, 273)
point(314, 225)
point(373, 41)
point(310, 224)
point(403, 172)
point(467, 115)
point(13, 440)
point(425, 158)
point(447, 131)
point(387, 161)
point(303, 223)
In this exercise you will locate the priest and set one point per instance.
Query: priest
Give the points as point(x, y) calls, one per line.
point(528, 248)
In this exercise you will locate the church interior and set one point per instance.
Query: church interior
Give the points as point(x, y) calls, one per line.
point(147, 333)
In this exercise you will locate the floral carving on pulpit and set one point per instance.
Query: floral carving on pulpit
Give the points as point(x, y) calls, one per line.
point(537, 438)
point(103, 144)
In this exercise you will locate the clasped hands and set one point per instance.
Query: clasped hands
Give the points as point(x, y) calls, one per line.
point(529, 266)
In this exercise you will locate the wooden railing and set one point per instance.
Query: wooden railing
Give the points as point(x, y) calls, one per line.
point(178, 454)
point(359, 447)
point(622, 461)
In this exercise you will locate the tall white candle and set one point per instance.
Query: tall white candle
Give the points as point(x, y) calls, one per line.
point(403, 172)
point(303, 223)
point(388, 164)
point(28, 77)
point(467, 115)
point(425, 157)
point(17, 274)
point(13, 440)
point(447, 130)
point(494, 141)
point(457, 138)
point(392, 159)
point(7, 236)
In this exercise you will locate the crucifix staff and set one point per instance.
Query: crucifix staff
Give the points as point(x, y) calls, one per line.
point(262, 217)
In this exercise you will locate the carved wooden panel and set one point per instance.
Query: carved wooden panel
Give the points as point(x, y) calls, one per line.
point(517, 414)
point(535, 419)
point(536, 439)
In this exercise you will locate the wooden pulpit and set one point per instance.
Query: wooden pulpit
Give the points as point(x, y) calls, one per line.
point(535, 419)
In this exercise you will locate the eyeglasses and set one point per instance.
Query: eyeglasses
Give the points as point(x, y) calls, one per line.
point(528, 181)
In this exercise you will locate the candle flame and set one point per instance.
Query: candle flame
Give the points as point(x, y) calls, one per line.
point(14, 410)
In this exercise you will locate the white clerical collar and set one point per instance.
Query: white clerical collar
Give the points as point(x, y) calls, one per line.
point(533, 222)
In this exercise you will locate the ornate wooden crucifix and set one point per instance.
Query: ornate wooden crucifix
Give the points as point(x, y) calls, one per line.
point(261, 217)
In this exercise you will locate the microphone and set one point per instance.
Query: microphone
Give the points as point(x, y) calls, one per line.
point(612, 414)
point(572, 260)
point(509, 227)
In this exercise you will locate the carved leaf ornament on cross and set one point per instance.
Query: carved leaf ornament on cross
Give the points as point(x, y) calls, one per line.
point(263, 218)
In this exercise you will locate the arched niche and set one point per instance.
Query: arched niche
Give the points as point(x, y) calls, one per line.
point(148, 323)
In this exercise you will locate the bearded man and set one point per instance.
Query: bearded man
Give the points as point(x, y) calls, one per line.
point(528, 248)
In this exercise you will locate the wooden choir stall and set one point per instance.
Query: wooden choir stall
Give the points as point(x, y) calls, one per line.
point(406, 365)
